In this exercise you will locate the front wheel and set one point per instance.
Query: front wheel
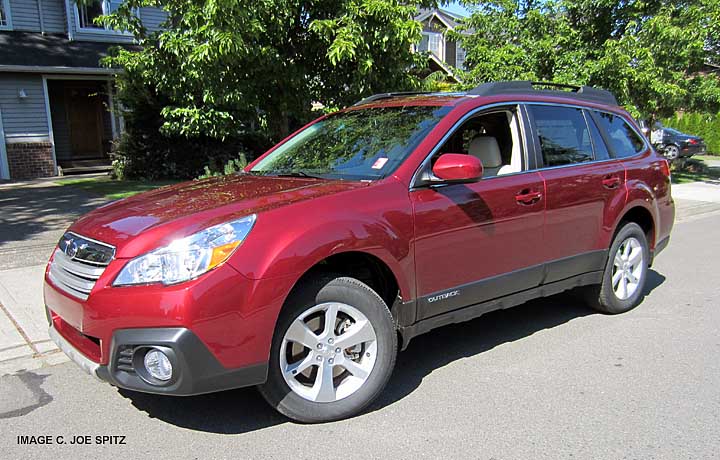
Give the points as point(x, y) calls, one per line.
point(333, 350)
point(625, 272)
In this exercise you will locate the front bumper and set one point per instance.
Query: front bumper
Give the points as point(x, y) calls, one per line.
point(195, 369)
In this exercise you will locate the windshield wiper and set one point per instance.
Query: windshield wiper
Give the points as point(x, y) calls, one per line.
point(295, 174)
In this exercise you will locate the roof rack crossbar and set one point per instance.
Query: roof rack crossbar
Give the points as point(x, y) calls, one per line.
point(587, 93)
point(379, 96)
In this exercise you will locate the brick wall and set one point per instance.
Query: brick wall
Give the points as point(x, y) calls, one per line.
point(28, 160)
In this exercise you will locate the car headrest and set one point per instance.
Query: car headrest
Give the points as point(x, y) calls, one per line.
point(486, 149)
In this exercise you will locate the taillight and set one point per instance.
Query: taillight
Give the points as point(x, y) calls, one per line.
point(693, 141)
point(665, 168)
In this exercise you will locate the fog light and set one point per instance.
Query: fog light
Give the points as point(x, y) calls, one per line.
point(158, 365)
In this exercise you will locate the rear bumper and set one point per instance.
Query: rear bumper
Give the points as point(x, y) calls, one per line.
point(195, 369)
point(690, 150)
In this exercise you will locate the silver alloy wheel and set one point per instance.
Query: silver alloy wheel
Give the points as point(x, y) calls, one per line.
point(628, 267)
point(328, 352)
point(671, 152)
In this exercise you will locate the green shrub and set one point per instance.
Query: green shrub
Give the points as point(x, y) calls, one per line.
point(231, 167)
point(144, 152)
point(705, 125)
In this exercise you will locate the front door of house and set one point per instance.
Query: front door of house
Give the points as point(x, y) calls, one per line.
point(84, 115)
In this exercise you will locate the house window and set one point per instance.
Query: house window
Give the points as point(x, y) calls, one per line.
point(460, 57)
point(435, 44)
point(92, 9)
point(5, 22)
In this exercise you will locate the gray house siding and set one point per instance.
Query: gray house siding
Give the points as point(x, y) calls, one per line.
point(23, 116)
point(25, 15)
point(54, 16)
point(152, 18)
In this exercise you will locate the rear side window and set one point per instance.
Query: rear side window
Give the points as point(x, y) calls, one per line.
point(624, 141)
point(563, 135)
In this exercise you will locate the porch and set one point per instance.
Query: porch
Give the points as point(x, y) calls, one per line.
point(83, 123)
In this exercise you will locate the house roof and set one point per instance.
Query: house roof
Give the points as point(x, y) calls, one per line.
point(22, 51)
point(449, 19)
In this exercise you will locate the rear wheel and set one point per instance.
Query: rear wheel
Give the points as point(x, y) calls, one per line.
point(333, 351)
point(624, 277)
point(672, 152)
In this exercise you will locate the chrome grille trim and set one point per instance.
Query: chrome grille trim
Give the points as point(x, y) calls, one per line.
point(77, 276)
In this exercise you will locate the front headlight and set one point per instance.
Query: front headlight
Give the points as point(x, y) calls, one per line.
point(189, 257)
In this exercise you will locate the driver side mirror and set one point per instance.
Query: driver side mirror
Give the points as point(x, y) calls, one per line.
point(457, 168)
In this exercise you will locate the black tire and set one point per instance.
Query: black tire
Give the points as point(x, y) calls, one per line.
point(672, 152)
point(315, 291)
point(603, 297)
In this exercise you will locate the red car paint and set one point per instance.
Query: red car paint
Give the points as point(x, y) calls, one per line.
point(430, 239)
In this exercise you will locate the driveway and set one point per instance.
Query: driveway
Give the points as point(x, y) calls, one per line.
point(33, 216)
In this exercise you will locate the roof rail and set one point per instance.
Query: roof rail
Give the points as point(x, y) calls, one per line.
point(586, 93)
point(376, 97)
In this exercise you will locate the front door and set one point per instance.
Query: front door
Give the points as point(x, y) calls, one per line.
point(84, 113)
point(480, 241)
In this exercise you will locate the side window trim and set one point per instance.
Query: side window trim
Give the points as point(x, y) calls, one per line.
point(592, 123)
point(478, 111)
point(603, 132)
point(539, 161)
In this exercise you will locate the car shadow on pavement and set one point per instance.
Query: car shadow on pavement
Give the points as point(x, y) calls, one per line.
point(28, 210)
point(244, 410)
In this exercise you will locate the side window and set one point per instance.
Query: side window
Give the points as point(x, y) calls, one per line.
point(563, 135)
point(601, 150)
point(624, 141)
point(494, 138)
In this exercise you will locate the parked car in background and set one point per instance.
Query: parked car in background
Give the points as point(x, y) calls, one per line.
point(308, 271)
point(674, 144)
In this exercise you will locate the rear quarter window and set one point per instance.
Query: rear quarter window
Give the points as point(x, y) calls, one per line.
point(624, 141)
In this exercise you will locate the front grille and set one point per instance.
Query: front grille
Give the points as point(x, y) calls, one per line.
point(78, 263)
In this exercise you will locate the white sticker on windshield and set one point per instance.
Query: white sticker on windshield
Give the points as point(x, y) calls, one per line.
point(379, 163)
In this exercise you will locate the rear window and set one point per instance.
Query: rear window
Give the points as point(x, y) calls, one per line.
point(624, 141)
point(563, 135)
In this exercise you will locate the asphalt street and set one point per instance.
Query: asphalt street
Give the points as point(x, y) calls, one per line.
point(547, 380)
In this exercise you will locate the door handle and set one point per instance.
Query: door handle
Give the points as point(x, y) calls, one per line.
point(611, 182)
point(527, 197)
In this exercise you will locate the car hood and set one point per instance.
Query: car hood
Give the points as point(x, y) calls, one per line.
point(153, 219)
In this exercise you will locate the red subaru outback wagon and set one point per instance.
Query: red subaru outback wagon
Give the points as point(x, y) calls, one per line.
point(306, 272)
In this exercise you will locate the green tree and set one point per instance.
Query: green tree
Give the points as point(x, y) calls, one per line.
point(224, 66)
point(647, 52)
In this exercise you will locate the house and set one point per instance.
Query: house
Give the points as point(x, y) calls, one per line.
point(56, 101)
point(445, 54)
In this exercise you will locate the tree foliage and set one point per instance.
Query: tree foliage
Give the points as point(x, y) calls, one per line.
point(648, 52)
point(229, 65)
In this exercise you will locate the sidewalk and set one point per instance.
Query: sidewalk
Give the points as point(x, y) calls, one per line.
point(32, 219)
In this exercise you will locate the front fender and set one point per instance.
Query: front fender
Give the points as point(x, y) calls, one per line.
point(289, 241)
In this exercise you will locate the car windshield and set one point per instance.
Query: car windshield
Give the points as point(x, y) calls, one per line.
point(672, 131)
point(364, 144)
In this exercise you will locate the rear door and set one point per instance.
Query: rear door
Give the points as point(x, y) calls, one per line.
point(584, 187)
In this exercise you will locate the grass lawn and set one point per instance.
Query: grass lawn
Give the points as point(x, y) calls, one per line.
point(113, 189)
point(694, 170)
point(707, 157)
